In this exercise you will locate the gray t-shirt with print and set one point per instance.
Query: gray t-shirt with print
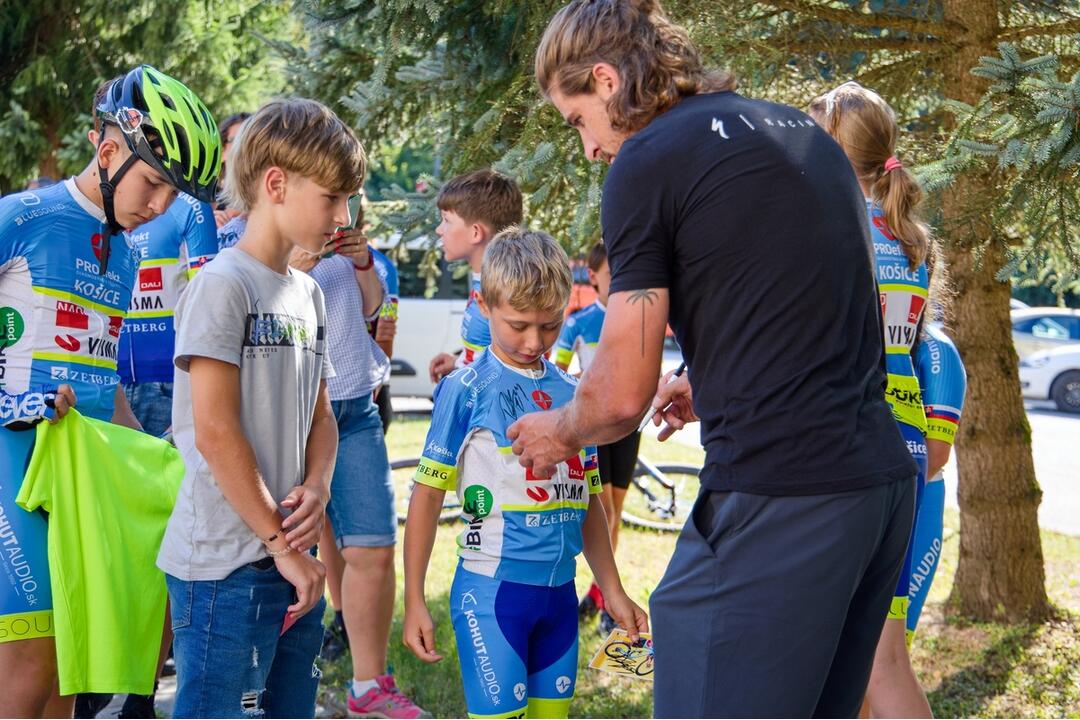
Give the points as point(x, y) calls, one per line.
point(272, 327)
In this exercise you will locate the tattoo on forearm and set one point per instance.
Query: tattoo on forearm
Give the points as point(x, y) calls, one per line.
point(643, 297)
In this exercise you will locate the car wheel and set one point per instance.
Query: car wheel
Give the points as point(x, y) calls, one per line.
point(1065, 392)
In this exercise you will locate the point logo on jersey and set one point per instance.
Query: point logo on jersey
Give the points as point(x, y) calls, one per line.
point(68, 342)
point(96, 242)
point(478, 502)
point(542, 399)
point(71, 315)
point(11, 326)
point(880, 224)
point(150, 279)
point(129, 119)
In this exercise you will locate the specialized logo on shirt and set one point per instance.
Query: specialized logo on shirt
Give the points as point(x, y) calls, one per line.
point(150, 279)
point(478, 502)
point(717, 125)
point(542, 399)
point(71, 315)
point(12, 326)
point(68, 342)
point(277, 330)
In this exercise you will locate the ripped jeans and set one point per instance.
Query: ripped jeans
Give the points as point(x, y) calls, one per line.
point(230, 660)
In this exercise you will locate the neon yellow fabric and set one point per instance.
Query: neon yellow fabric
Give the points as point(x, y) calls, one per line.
point(109, 491)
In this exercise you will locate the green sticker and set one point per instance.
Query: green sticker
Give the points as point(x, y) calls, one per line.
point(11, 326)
point(477, 503)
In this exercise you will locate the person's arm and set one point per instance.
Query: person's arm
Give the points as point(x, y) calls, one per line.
point(353, 244)
point(937, 455)
point(220, 439)
point(122, 414)
point(418, 631)
point(385, 332)
point(596, 547)
point(304, 526)
point(628, 357)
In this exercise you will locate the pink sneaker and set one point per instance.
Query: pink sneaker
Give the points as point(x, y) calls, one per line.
point(384, 701)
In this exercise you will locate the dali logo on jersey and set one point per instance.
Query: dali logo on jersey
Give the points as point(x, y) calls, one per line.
point(150, 279)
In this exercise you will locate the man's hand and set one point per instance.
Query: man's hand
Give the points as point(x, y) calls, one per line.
point(304, 525)
point(418, 632)
point(62, 402)
point(386, 330)
point(307, 575)
point(673, 404)
point(441, 366)
point(538, 443)
point(223, 216)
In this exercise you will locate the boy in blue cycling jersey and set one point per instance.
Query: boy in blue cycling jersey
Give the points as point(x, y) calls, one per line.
point(512, 602)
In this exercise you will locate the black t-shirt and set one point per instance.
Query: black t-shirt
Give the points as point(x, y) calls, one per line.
point(751, 216)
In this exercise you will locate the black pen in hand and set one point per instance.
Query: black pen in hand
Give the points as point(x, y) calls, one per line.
point(650, 415)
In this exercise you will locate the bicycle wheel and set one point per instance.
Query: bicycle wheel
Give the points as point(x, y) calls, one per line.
point(618, 650)
point(645, 668)
point(660, 496)
point(403, 472)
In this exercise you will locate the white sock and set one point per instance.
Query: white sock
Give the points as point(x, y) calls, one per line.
point(359, 687)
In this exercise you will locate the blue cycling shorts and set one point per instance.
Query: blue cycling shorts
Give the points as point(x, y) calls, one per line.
point(517, 645)
point(916, 443)
point(25, 588)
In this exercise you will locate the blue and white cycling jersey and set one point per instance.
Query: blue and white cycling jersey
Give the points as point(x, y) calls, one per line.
point(580, 334)
point(60, 317)
point(475, 329)
point(943, 381)
point(171, 248)
point(519, 528)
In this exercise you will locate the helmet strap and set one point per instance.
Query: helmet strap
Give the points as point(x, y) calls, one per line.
point(108, 190)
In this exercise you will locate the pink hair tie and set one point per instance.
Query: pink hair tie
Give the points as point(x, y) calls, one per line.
point(892, 164)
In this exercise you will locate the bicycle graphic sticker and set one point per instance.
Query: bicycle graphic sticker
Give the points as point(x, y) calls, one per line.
point(622, 656)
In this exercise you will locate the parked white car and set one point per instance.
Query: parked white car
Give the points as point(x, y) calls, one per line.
point(1053, 375)
point(1043, 328)
point(426, 326)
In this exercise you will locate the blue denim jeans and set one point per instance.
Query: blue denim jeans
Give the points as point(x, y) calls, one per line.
point(231, 660)
point(151, 403)
point(361, 508)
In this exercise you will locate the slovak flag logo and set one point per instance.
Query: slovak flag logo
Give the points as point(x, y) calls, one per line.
point(150, 279)
point(196, 263)
point(542, 399)
point(70, 315)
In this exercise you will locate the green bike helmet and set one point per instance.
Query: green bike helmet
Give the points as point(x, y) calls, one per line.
point(167, 127)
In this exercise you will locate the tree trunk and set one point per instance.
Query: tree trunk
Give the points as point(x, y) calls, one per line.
point(1000, 574)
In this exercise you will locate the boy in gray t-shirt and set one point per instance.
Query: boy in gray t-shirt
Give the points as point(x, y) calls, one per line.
point(252, 418)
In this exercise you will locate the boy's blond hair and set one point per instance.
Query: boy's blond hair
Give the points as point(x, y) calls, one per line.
point(299, 136)
point(483, 196)
point(526, 269)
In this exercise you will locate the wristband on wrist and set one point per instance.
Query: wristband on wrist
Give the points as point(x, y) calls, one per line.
point(367, 266)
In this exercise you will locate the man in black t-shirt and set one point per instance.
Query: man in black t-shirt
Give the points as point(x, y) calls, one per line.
point(742, 222)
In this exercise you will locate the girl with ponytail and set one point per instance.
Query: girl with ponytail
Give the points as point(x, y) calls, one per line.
point(865, 127)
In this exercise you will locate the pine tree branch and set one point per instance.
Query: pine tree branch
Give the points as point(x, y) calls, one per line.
point(1065, 27)
point(868, 44)
point(945, 30)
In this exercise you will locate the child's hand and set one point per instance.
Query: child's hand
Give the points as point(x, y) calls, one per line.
point(304, 526)
point(627, 614)
point(419, 632)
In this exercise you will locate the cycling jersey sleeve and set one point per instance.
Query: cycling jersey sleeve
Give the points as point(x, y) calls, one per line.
point(944, 382)
point(592, 470)
point(200, 238)
point(564, 346)
point(451, 422)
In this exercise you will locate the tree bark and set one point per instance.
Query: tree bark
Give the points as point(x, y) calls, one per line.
point(1000, 575)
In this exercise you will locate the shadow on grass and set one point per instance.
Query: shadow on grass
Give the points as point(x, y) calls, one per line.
point(968, 691)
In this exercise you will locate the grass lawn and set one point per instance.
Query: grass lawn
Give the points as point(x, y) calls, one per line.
point(969, 670)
